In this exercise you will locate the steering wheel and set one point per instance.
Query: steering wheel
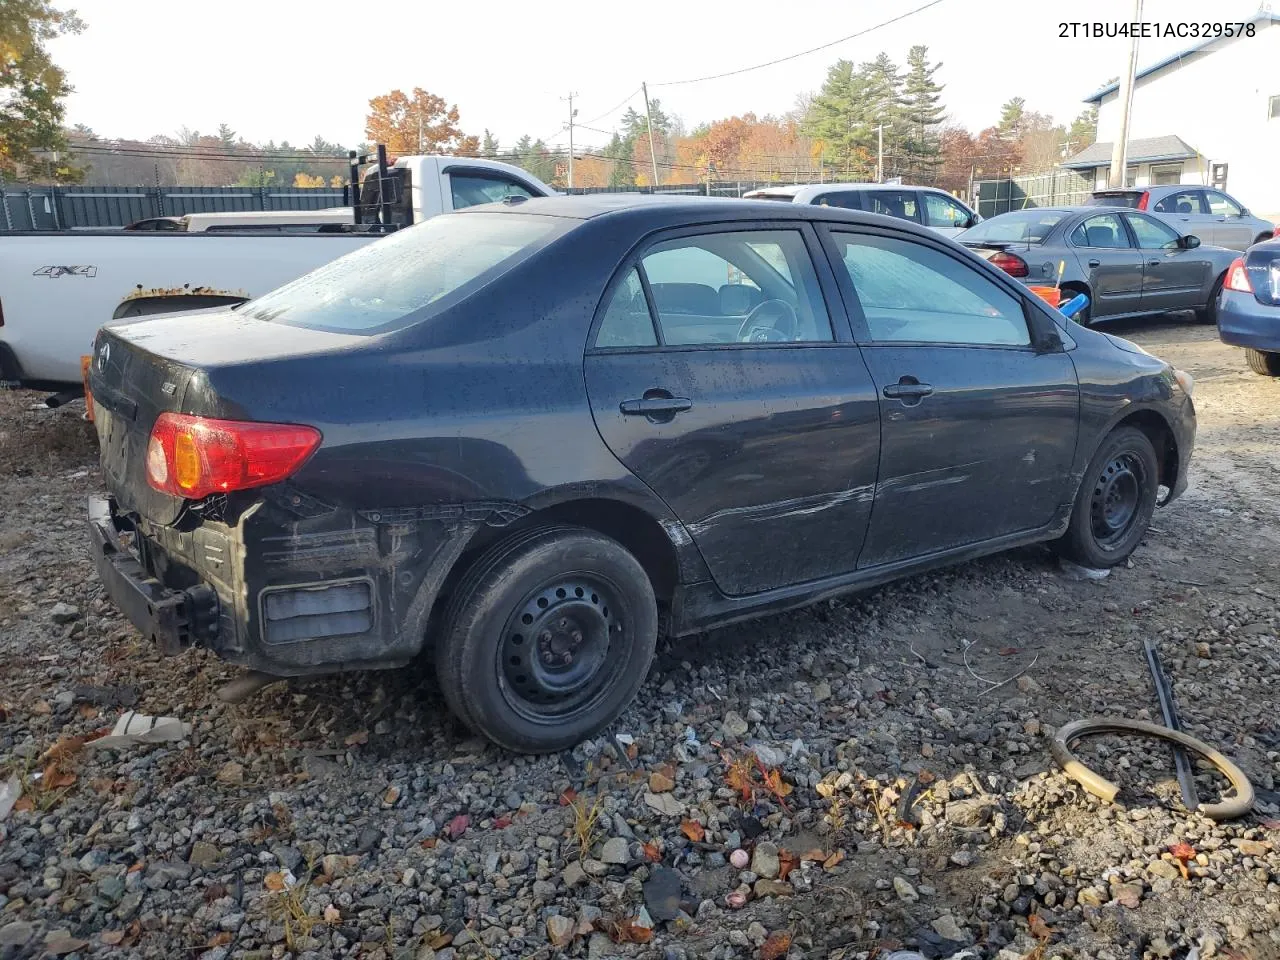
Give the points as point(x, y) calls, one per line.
point(773, 321)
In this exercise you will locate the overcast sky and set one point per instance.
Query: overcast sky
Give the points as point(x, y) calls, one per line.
point(288, 71)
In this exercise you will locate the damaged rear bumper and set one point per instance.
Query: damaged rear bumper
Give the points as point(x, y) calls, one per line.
point(172, 619)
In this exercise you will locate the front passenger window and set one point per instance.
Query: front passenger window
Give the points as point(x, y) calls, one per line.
point(913, 293)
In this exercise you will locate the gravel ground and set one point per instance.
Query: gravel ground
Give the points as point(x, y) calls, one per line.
point(838, 782)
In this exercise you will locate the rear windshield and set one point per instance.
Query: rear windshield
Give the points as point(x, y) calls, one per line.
point(784, 197)
point(409, 275)
point(1019, 226)
point(1129, 200)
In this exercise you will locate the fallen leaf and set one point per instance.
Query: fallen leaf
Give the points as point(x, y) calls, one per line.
point(787, 862)
point(776, 946)
point(215, 891)
point(825, 790)
point(23, 805)
point(430, 843)
point(833, 861)
point(813, 856)
point(693, 830)
point(633, 751)
point(131, 934)
point(502, 822)
point(1039, 929)
point(458, 826)
point(136, 866)
point(41, 707)
point(87, 711)
point(332, 914)
point(637, 934)
point(735, 900)
point(274, 882)
point(441, 941)
point(1183, 851)
point(220, 939)
point(777, 786)
point(1009, 651)
point(357, 739)
point(567, 798)
point(391, 796)
point(111, 937)
point(652, 853)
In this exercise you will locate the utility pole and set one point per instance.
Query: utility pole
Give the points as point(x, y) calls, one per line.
point(880, 154)
point(572, 113)
point(648, 116)
point(1120, 149)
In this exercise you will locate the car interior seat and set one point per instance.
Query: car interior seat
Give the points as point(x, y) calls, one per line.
point(1101, 235)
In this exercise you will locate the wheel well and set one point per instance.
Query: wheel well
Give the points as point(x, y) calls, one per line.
point(1162, 439)
point(1265, 235)
point(636, 530)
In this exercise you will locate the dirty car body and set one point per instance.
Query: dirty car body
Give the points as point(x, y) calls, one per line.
point(689, 411)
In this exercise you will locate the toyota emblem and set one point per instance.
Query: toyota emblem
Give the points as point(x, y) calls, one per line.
point(103, 356)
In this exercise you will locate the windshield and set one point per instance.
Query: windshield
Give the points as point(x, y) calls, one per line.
point(1129, 200)
point(391, 282)
point(1020, 226)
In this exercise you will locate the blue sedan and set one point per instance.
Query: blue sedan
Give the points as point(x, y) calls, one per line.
point(1249, 307)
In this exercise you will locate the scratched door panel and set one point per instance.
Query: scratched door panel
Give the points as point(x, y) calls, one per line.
point(986, 454)
point(773, 465)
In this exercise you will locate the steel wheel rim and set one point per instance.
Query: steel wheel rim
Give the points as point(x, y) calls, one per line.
point(558, 647)
point(1116, 502)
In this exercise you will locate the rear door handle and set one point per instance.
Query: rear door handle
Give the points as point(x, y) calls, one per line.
point(1095, 263)
point(907, 389)
point(655, 406)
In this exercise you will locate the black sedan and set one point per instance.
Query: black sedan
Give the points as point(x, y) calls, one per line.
point(528, 436)
point(1130, 263)
point(1249, 307)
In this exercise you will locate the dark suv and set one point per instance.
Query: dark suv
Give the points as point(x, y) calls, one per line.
point(528, 436)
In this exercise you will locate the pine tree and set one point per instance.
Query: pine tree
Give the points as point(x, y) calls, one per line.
point(924, 114)
point(837, 117)
point(884, 109)
point(1012, 118)
point(489, 146)
point(1083, 131)
point(226, 135)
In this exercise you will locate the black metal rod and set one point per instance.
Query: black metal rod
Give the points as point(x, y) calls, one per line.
point(354, 186)
point(1169, 709)
point(384, 202)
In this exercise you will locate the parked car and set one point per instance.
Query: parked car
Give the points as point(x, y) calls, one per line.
point(1211, 215)
point(1249, 307)
point(529, 435)
point(57, 288)
point(934, 208)
point(1129, 263)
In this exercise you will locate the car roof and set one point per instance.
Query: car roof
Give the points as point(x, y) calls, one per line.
point(813, 189)
point(667, 210)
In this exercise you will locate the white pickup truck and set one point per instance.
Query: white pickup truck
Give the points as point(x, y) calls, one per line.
point(58, 288)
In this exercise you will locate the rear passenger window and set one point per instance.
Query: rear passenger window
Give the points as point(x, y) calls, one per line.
point(847, 199)
point(626, 321)
point(1184, 202)
point(736, 288)
point(1105, 232)
point(912, 293)
point(892, 203)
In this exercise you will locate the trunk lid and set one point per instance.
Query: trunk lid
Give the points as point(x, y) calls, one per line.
point(142, 369)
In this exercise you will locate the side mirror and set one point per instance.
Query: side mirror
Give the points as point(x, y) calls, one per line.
point(1244, 212)
point(973, 221)
point(1189, 242)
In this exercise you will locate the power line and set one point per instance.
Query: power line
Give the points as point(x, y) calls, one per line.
point(622, 103)
point(802, 53)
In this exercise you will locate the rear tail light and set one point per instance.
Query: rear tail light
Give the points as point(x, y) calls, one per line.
point(192, 457)
point(1238, 277)
point(1010, 263)
point(1144, 199)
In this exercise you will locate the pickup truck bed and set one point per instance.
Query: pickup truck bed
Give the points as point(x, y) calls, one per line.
point(57, 289)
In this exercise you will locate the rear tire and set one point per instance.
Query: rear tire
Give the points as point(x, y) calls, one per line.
point(1263, 363)
point(547, 639)
point(1115, 501)
point(1209, 312)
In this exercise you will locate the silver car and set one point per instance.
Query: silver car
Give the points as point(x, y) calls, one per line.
point(1210, 214)
point(1129, 263)
point(929, 206)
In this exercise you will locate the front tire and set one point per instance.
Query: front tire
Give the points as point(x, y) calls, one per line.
point(1115, 501)
point(1263, 363)
point(548, 639)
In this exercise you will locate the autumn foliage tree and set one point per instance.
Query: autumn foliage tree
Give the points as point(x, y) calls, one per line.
point(419, 124)
point(32, 88)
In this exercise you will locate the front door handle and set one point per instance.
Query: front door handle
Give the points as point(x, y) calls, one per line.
point(1222, 219)
point(1153, 263)
point(907, 389)
point(1095, 263)
point(658, 406)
